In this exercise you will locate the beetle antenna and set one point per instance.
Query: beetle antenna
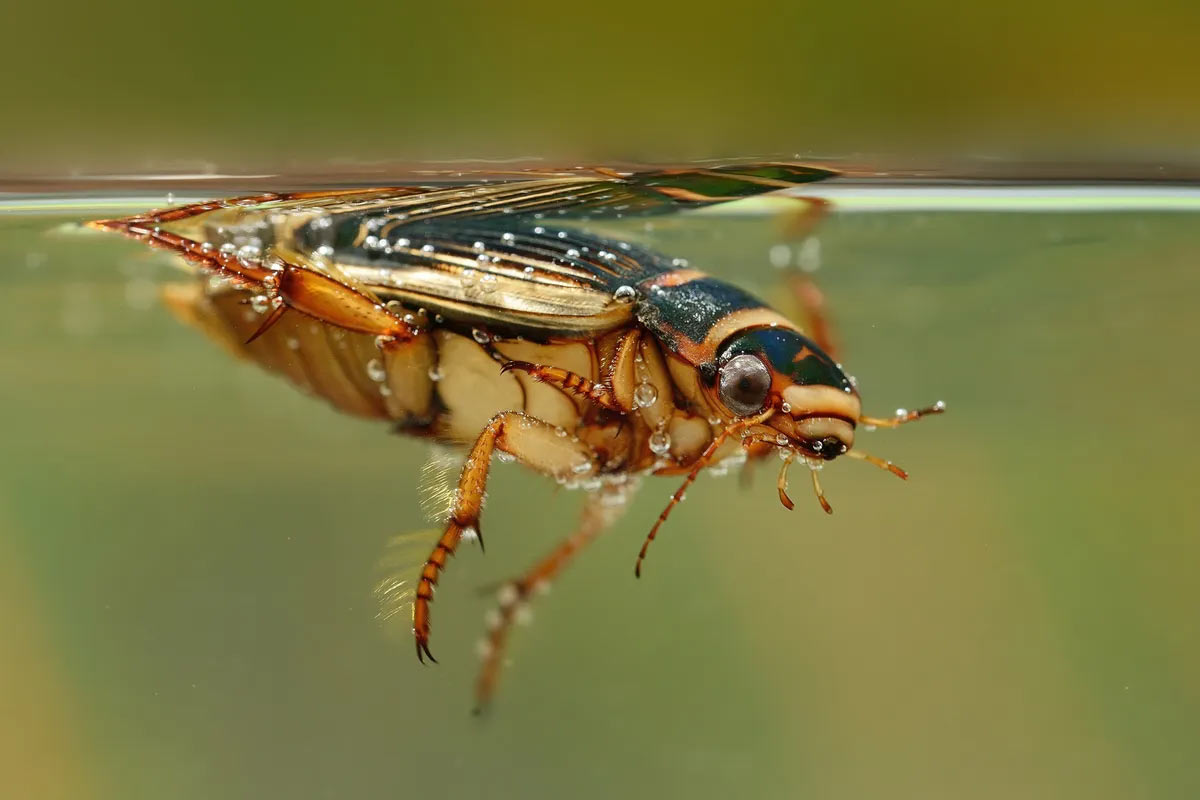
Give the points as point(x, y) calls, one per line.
point(879, 462)
point(783, 481)
point(903, 416)
point(820, 494)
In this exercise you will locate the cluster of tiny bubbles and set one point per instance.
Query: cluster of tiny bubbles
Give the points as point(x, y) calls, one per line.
point(679, 262)
point(480, 336)
point(660, 443)
point(625, 294)
point(582, 467)
point(376, 370)
point(645, 394)
point(501, 455)
point(260, 303)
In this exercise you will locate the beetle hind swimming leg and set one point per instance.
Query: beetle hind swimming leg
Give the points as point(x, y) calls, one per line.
point(537, 444)
point(600, 511)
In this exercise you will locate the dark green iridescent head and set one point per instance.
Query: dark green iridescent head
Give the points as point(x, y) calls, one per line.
point(788, 354)
point(815, 404)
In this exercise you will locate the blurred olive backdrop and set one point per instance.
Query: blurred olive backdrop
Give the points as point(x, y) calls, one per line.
point(236, 86)
point(188, 548)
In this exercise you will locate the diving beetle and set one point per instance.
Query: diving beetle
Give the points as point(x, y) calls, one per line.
point(490, 315)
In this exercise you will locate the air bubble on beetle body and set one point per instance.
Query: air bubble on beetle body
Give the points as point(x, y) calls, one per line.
point(483, 648)
point(260, 303)
point(780, 256)
point(785, 407)
point(293, 343)
point(479, 336)
point(507, 238)
point(507, 594)
point(376, 371)
point(469, 278)
point(660, 443)
point(644, 395)
point(625, 294)
point(487, 283)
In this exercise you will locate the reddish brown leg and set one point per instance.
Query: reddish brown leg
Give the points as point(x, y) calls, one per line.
point(600, 511)
point(567, 381)
point(288, 285)
point(533, 442)
point(703, 461)
point(812, 301)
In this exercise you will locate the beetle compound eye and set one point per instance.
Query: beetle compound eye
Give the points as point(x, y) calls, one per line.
point(744, 383)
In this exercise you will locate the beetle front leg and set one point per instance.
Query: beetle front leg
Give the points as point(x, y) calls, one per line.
point(537, 444)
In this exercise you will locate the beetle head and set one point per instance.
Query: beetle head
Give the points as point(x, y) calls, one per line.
point(816, 404)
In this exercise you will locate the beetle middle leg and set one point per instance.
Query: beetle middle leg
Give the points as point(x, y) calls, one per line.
point(537, 444)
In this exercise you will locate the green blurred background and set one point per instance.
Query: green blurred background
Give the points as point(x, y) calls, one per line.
point(188, 547)
point(254, 87)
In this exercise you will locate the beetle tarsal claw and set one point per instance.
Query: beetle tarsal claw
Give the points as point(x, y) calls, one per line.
point(782, 483)
point(819, 493)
